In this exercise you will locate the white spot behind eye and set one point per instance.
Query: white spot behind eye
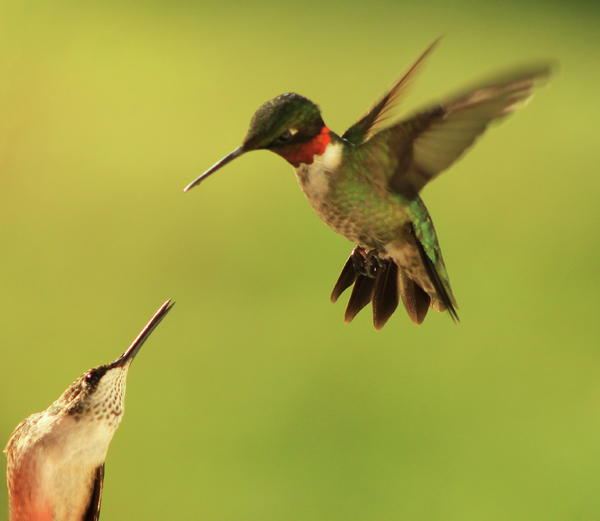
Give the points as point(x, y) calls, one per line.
point(293, 131)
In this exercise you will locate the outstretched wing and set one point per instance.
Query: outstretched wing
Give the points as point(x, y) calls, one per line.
point(371, 121)
point(432, 140)
point(92, 512)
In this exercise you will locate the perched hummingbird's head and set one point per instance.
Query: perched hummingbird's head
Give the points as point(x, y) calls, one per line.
point(289, 125)
point(99, 393)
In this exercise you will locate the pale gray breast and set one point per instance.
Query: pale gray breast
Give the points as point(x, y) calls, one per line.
point(316, 185)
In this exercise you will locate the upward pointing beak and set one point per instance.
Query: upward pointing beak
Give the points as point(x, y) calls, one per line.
point(135, 346)
point(229, 157)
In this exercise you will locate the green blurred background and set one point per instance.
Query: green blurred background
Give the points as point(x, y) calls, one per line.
point(254, 401)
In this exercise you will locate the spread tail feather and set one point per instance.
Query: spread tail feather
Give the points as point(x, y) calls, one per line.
point(362, 293)
point(415, 300)
point(385, 295)
point(345, 280)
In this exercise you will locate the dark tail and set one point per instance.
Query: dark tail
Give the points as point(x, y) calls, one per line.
point(382, 283)
point(375, 280)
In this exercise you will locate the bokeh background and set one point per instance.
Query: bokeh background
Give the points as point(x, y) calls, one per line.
point(253, 401)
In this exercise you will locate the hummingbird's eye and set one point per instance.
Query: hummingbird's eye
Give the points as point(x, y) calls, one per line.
point(93, 376)
point(284, 138)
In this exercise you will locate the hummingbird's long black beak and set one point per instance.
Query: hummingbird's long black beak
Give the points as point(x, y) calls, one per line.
point(229, 157)
point(135, 346)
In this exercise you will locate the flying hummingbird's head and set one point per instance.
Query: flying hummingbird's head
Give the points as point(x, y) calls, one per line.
point(289, 125)
point(282, 121)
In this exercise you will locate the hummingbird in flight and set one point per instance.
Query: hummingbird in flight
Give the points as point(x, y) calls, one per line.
point(366, 183)
point(56, 457)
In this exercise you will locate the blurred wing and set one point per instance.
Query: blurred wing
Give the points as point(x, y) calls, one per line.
point(92, 512)
point(371, 121)
point(432, 140)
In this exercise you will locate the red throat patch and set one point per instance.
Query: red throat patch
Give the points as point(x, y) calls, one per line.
point(306, 152)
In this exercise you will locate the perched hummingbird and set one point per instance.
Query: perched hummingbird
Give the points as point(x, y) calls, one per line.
point(56, 457)
point(366, 183)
